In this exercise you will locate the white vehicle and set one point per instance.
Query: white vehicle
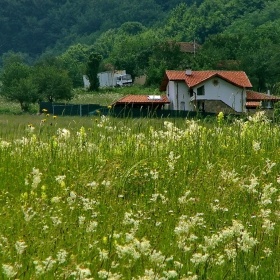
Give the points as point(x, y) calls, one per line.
point(124, 80)
point(111, 79)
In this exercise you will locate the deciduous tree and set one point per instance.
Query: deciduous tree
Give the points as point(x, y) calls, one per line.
point(18, 85)
point(92, 70)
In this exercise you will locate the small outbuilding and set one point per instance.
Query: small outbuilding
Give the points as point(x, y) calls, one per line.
point(256, 100)
point(142, 101)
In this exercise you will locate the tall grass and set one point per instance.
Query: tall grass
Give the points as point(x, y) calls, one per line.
point(105, 198)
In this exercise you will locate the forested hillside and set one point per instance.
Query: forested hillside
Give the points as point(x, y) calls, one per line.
point(136, 35)
point(32, 26)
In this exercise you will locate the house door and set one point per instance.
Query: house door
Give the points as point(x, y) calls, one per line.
point(182, 106)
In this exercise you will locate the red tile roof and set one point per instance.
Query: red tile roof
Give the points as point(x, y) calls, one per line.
point(141, 99)
point(252, 104)
point(238, 78)
point(257, 96)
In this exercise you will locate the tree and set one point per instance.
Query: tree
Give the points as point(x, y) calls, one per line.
point(92, 70)
point(74, 61)
point(166, 55)
point(132, 27)
point(18, 85)
point(53, 84)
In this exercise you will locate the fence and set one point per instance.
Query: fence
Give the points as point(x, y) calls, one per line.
point(59, 109)
point(120, 112)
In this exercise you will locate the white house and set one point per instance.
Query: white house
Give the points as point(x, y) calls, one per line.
point(210, 91)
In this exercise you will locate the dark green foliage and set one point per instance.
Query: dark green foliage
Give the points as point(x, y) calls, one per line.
point(277, 111)
point(92, 70)
point(18, 84)
point(74, 61)
point(32, 26)
point(53, 83)
point(132, 28)
point(166, 55)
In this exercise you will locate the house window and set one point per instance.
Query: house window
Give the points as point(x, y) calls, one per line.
point(182, 106)
point(191, 92)
point(200, 91)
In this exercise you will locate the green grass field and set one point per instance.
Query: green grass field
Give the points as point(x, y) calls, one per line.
point(108, 198)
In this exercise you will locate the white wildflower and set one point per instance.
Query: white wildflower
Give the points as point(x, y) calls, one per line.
point(251, 188)
point(60, 179)
point(92, 226)
point(56, 221)
point(256, 146)
point(157, 258)
point(4, 144)
point(103, 255)
point(268, 226)
point(154, 174)
point(28, 214)
point(93, 184)
point(63, 133)
point(36, 178)
point(183, 199)
point(265, 213)
point(254, 269)
point(106, 183)
point(89, 204)
point(42, 267)
point(231, 253)
point(81, 220)
point(127, 250)
point(56, 199)
point(20, 247)
point(61, 256)
point(9, 270)
point(103, 274)
point(170, 274)
point(178, 265)
point(267, 252)
point(198, 258)
point(83, 273)
point(158, 197)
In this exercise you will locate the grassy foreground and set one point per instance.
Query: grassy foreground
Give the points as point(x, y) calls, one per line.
point(139, 199)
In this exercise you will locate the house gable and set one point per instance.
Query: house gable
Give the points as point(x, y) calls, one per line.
point(238, 78)
point(201, 86)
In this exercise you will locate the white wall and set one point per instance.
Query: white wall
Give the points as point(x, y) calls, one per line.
point(233, 96)
point(178, 94)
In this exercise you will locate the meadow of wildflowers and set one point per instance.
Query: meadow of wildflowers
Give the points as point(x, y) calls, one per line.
point(140, 199)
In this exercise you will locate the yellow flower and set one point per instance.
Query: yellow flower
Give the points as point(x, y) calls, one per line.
point(30, 125)
point(54, 117)
point(47, 115)
point(43, 196)
point(44, 120)
point(109, 107)
point(44, 110)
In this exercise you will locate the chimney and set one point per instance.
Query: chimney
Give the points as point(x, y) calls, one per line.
point(268, 92)
point(188, 71)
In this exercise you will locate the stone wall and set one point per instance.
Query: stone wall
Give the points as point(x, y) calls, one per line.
point(216, 106)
